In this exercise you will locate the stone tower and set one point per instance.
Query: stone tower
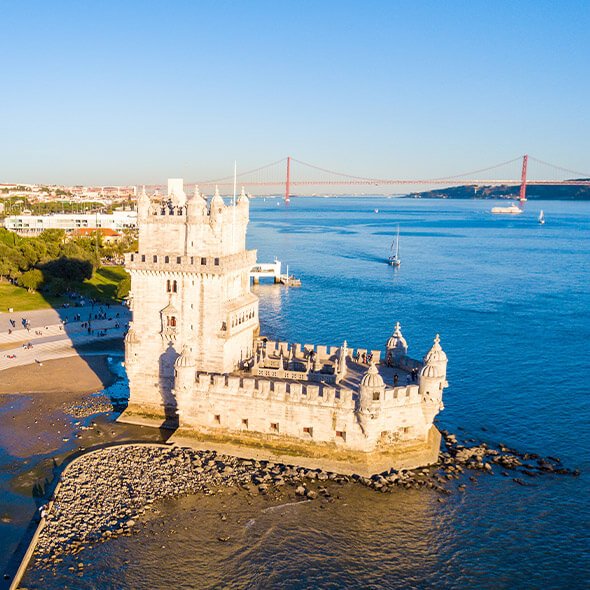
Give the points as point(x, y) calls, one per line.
point(190, 293)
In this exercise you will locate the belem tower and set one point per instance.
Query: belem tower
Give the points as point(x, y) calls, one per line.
point(197, 362)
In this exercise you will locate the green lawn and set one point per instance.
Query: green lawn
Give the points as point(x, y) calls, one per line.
point(20, 299)
point(102, 286)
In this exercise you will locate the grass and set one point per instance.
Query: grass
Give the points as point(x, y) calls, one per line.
point(102, 286)
point(20, 299)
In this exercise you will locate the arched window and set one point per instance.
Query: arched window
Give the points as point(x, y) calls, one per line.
point(171, 321)
point(168, 286)
point(166, 259)
point(174, 287)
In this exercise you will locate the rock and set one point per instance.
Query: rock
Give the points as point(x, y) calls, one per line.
point(300, 491)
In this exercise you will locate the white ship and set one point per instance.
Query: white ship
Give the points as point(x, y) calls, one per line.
point(512, 210)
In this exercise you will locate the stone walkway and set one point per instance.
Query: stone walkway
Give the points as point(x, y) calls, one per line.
point(51, 338)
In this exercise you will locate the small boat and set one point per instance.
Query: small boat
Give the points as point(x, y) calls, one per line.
point(394, 259)
point(512, 210)
point(375, 210)
point(541, 217)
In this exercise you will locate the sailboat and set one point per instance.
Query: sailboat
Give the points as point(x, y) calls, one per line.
point(541, 217)
point(394, 259)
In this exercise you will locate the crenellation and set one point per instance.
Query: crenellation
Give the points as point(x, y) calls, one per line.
point(193, 349)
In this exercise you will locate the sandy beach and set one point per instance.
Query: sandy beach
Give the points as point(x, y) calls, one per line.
point(62, 377)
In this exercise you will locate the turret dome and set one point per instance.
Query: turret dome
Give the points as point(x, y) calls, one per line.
point(436, 354)
point(185, 360)
point(243, 199)
point(397, 340)
point(432, 371)
point(196, 203)
point(217, 203)
point(372, 378)
point(131, 336)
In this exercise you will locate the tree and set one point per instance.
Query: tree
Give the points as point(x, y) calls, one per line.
point(31, 279)
point(69, 270)
point(124, 287)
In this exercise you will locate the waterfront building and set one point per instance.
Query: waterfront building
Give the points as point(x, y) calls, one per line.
point(196, 361)
point(31, 225)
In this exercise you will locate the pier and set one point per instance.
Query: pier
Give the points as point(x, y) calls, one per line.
point(272, 270)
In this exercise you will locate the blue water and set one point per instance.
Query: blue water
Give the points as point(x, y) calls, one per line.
point(510, 299)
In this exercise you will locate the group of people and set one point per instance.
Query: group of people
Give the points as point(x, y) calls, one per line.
point(364, 358)
point(411, 377)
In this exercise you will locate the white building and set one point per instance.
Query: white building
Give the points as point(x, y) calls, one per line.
point(29, 225)
point(194, 357)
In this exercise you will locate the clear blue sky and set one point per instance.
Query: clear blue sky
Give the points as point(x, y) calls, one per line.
point(136, 92)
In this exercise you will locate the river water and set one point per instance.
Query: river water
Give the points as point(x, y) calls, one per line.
point(510, 299)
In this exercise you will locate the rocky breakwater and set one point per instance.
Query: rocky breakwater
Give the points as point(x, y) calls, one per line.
point(105, 493)
point(497, 457)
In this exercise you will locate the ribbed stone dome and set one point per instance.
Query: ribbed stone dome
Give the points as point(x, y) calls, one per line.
point(436, 353)
point(372, 378)
point(397, 340)
point(433, 371)
point(131, 336)
point(185, 359)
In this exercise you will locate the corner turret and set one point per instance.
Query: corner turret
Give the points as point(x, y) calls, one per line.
point(216, 209)
point(196, 206)
point(143, 204)
point(184, 371)
point(371, 392)
point(433, 379)
point(396, 347)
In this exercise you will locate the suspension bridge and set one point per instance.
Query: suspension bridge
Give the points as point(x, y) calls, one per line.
point(289, 173)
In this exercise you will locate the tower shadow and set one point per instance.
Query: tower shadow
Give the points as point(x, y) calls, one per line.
point(166, 383)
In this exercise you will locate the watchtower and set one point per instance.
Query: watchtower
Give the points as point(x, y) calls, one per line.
point(190, 292)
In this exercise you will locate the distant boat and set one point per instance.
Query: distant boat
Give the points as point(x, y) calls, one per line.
point(541, 217)
point(376, 210)
point(394, 259)
point(512, 210)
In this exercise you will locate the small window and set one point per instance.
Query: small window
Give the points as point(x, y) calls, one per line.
point(203, 261)
point(132, 257)
point(171, 321)
point(274, 426)
point(341, 434)
point(168, 287)
point(143, 257)
point(216, 261)
point(376, 396)
point(166, 259)
point(192, 259)
point(308, 430)
point(406, 430)
point(155, 259)
point(178, 260)
point(217, 419)
point(245, 422)
point(174, 287)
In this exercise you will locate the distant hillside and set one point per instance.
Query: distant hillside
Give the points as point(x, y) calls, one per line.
point(534, 192)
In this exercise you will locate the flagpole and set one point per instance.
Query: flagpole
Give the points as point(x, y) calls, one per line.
point(233, 225)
